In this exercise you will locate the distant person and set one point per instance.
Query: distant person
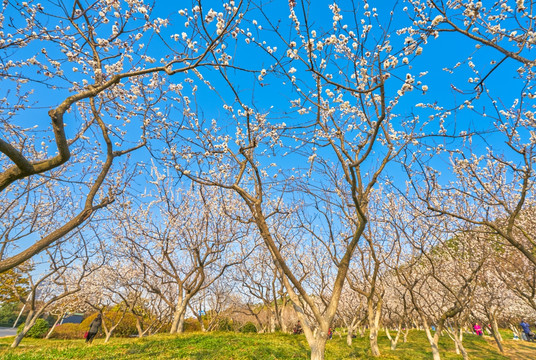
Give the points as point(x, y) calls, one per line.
point(526, 329)
point(330, 334)
point(298, 328)
point(477, 329)
point(94, 328)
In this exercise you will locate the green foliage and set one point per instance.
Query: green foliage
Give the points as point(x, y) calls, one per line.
point(39, 330)
point(248, 327)
point(8, 313)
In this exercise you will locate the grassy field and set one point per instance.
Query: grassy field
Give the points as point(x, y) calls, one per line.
point(235, 346)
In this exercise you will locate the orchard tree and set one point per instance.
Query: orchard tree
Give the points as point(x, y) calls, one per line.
point(440, 273)
point(344, 80)
point(99, 69)
point(490, 178)
point(181, 240)
point(260, 283)
point(351, 312)
point(63, 269)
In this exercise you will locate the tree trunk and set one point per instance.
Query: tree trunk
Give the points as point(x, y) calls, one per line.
point(349, 336)
point(272, 322)
point(18, 339)
point(30, 321)
point(108, 336)
point(54, 326)
point(374, 322)
point(139, 327)
point(459, 340)
point(177, 325)
point(374, 341)
point(395, 340)
point(318, 348)
point(496, 334)
point(432, 341)
point(180, 327)
point(406, 332)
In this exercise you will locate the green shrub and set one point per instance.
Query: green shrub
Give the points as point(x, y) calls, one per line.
point(39, 330)
point(8, 314)
point(68, 332)
point(225, 324)
point(248, 327)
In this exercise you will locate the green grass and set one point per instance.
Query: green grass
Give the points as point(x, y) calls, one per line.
point(235, 346)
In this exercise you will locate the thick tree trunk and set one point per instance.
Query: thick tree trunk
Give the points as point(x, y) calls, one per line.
point(180, 328)
point(177, 325)
point(375, 350)
point(18, 339)
point(318, 348)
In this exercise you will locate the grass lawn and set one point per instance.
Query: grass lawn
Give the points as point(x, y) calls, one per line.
point(235, 346)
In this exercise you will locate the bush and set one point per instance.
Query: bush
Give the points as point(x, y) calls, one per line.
point(126, 328)
point(191, 324)
point(68, 332)
point(225, 324)
point(248, 327)
point(8, 314)
point(39, 330)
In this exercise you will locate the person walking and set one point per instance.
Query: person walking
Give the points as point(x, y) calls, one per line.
point(94, 328)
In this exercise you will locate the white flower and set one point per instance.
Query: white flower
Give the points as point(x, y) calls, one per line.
point(437, 20)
